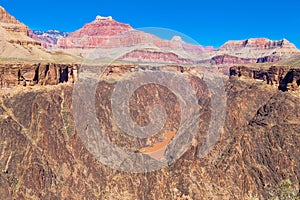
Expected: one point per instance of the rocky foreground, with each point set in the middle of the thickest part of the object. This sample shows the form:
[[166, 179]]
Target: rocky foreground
[[43, 157]]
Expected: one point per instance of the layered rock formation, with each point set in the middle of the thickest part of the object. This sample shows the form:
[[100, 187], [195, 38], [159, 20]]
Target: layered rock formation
[[97, 33], [12, 75], [258, 44], [43, 157], [14, 38], [155, 56], [258, 48], [14, 31], [11, 24], [251, 51], [107, 33], [284, 77], [233, 60]]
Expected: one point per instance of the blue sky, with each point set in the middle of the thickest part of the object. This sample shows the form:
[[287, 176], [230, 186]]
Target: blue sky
[[210, 22]]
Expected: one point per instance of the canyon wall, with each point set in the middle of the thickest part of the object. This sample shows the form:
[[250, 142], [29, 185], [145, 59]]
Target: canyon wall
[[43, 157], [284, 77], [12, 75]]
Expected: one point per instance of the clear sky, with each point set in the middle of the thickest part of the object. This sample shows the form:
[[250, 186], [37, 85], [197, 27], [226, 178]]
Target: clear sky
[[210, 22]]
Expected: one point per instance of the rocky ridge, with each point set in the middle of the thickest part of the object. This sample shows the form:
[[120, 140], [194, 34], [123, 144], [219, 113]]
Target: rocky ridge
[[10, 23], [283, 76]]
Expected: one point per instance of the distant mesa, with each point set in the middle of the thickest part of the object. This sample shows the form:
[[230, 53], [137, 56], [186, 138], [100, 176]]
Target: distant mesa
[[260, 43]]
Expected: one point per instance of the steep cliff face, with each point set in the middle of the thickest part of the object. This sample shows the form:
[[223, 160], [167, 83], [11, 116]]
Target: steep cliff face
[[42, 156], [284, 77], [12, 75]]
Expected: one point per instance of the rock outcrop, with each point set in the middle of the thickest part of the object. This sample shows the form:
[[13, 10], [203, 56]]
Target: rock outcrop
[[12, 75], [285, 77], [14, 31], [233, 60], [43, 157]]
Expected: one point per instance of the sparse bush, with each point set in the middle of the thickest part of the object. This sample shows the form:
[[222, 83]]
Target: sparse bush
[[284, 191]]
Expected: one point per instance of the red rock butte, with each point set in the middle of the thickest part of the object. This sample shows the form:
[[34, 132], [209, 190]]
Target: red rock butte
[[95, 34], [106, 32]]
